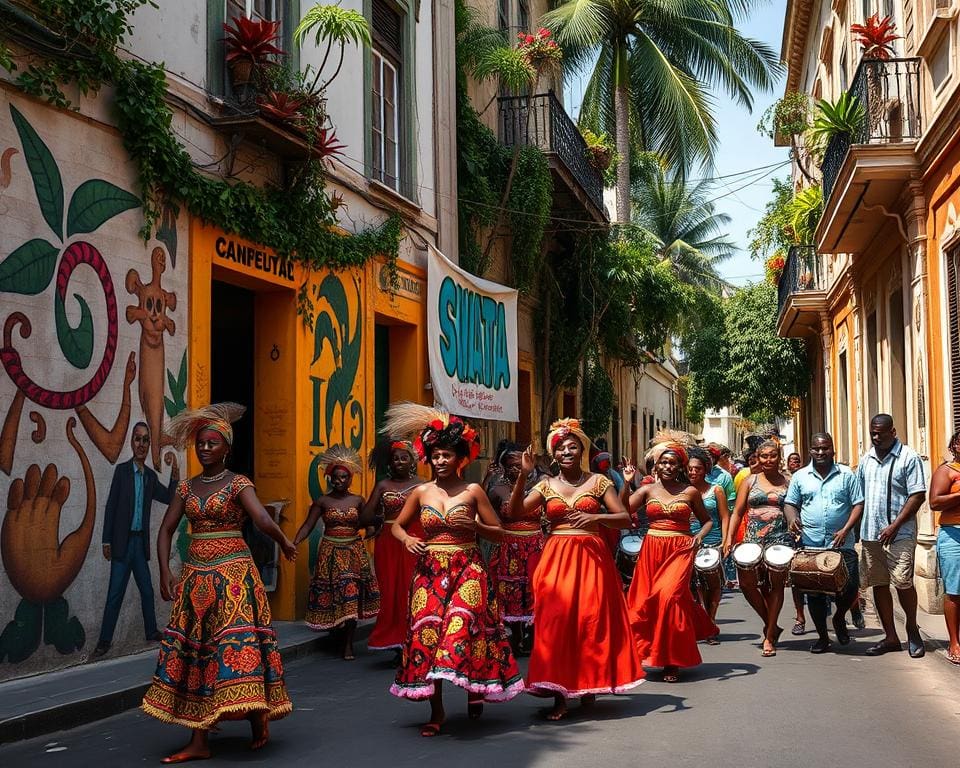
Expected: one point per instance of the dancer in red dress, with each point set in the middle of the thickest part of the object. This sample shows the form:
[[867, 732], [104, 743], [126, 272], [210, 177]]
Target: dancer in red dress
[[392, 562], [667, 621], [583, 645], [514, 560], [455, 631]]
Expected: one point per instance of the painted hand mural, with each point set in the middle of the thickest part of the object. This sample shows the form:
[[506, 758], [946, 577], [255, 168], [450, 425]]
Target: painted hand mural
[[40, 566], [151, 313]]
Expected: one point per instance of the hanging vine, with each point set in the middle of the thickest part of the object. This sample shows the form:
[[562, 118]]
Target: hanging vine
[[297, 221]]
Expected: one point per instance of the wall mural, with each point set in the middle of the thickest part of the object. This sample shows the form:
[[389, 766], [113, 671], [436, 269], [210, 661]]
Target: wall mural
[[60, 245]]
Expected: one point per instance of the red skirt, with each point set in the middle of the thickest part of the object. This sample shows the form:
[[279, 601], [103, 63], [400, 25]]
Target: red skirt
[[455, 630], [512, 565], [393, 565], [667, 621], [582, 643]]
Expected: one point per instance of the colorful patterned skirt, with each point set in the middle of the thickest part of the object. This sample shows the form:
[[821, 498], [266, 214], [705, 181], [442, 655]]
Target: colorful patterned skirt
[[667, 621], [583, 644], [394, 566], [219, 657], [512, 564], [343, 586], [455, 630]]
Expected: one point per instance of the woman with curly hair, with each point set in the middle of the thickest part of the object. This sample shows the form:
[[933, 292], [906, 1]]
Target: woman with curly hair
[[219, 658], [455, 632], [582, 645], [392, 562], [344, 588]]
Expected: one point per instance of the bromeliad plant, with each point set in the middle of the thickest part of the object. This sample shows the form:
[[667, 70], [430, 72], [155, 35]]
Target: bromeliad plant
[[250, 44], [875, 36]]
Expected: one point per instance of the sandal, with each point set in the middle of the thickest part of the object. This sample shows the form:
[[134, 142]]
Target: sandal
[[429, 730], [713, 640], [768, 652], [799, 628], [953, 658]]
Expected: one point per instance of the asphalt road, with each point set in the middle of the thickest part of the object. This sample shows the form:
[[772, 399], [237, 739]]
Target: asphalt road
[[736, 709]]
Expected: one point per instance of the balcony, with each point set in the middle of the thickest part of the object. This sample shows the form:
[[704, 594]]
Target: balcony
[[863, 174], [577, 185], [801, 293]]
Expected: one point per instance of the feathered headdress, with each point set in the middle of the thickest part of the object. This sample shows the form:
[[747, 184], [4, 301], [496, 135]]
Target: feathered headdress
[[182, 428], [378, 459], [672, 436], [339, 457], [434, 427], [564, 428]]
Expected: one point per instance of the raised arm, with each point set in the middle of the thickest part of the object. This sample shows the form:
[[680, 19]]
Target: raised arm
[[519, 499]]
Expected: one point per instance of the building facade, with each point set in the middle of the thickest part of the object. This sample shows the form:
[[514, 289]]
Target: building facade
[[135, 331], [875, 292]]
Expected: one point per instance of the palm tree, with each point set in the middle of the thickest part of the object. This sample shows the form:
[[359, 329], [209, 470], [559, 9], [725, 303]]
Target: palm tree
[[656, 61], [685, 225]]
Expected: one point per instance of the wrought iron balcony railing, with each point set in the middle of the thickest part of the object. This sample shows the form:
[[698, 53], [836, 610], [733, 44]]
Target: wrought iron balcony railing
[[802, 272], [889, 92], [547, 125]]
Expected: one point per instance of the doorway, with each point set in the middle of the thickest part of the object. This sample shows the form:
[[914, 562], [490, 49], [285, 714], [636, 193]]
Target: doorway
[[232, 325]]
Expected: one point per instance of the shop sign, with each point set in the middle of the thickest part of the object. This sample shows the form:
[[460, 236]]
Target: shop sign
[[472, 339]]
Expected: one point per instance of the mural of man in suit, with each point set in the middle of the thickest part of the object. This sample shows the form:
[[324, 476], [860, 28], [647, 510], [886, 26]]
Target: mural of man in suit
[[126, 535]]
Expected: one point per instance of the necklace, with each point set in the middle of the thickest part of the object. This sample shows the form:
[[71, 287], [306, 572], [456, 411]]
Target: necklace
[[577, 484], [213, 478]]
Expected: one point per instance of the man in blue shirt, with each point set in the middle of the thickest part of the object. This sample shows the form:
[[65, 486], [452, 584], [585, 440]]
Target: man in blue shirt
[[126, 536], [823, 504]]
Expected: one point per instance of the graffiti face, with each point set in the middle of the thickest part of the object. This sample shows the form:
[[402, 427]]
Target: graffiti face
[[140, 443]]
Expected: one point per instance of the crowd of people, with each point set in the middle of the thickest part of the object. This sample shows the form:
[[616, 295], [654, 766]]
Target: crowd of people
[[539, 559]]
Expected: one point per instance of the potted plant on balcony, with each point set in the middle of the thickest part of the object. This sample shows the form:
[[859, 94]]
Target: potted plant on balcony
[[599, 149], [875, 36], [773, 267], [541, 51], [804, 213], [844, 117], [250, 43]]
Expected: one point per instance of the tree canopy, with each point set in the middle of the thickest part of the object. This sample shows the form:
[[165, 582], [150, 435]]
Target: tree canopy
[[740, 362]]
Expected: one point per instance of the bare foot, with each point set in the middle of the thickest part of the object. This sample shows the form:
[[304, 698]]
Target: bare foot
[[559, 710], [260, 729], [187, 754]]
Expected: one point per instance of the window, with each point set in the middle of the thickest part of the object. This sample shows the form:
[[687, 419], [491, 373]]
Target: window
[[898, 357], [843, 411], [386, 109], [872, 373], [287, 12], [523, 15], [503, 15]]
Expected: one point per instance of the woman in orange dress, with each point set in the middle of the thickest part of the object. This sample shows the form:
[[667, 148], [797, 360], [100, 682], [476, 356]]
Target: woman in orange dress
[[219, 658], [667, 621], [583, 645], [455, 631], [392, 563]]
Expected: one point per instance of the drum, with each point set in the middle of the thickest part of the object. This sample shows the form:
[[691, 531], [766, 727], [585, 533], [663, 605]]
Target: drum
[[747, 555], [709, 566], [778, 557], [628, 550], [819, 570]]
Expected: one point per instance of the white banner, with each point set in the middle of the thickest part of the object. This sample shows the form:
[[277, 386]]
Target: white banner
[[472, 341]]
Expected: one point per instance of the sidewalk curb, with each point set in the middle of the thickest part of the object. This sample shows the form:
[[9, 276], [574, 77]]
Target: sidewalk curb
[[72, 714]]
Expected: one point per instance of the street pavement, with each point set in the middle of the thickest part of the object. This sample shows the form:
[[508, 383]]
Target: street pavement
[[736, 709]]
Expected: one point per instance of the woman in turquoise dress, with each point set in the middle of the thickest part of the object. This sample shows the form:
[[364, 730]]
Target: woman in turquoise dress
[[715, 502]]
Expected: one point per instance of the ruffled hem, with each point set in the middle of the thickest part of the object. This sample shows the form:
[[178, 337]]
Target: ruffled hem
[[554, 688], [492, 692], [340, 620], [273, 713]]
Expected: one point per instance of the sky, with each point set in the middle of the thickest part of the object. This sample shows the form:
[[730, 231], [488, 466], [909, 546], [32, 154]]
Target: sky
[[740, 195]]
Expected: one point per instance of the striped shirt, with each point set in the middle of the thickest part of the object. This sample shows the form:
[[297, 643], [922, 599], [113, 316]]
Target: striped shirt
[[886, 487]]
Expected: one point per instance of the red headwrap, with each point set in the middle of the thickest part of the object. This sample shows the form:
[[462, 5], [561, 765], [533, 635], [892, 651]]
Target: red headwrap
[[679, 450]]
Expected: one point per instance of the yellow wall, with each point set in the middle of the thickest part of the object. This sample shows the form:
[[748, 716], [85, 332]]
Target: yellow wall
[[314, 383]]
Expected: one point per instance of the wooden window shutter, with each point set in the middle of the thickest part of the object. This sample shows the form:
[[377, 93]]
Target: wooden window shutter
[[388, 28], [953, 310]]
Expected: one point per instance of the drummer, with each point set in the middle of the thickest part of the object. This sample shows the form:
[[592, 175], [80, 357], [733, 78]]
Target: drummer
[[823, 504]]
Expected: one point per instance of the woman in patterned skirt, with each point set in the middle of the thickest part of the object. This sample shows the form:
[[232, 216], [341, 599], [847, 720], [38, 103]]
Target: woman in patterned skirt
[[455, 633], [391, 561], [343, 588], [583, 644], [219, 658], [513, 560]]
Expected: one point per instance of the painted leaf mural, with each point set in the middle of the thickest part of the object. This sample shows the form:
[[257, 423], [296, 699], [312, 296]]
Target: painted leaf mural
[[29, 269], [43, 169], [95, 202]]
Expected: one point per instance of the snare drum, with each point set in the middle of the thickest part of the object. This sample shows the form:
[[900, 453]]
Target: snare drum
[[778, 557], [747, 556], [709, 566], [628, 550]]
